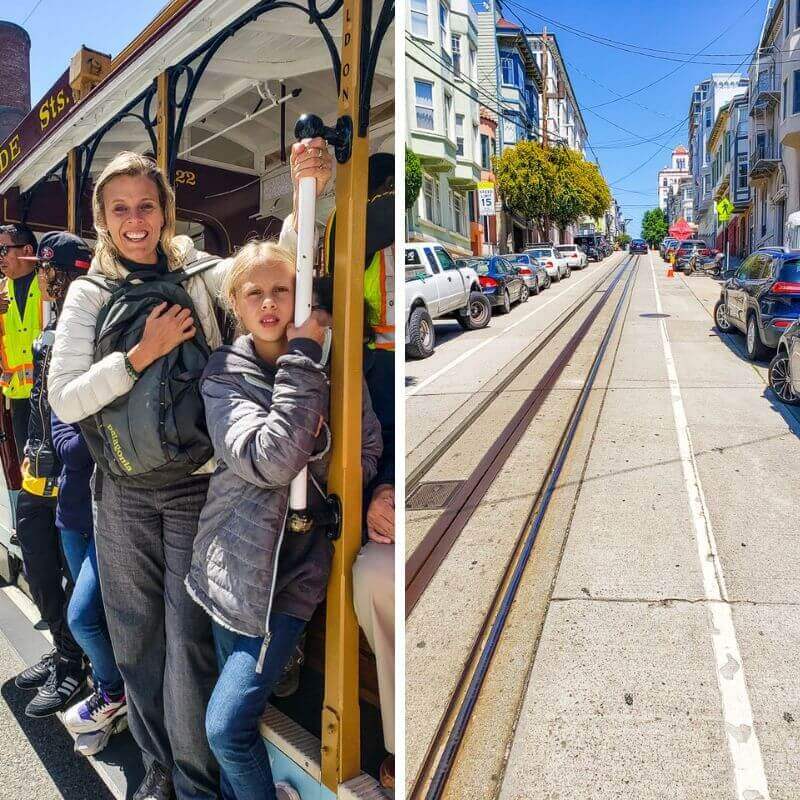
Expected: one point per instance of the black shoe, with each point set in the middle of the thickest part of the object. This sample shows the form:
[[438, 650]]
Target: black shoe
[[35, 676], [14, 539], [66, 681], [157, 785], [289, 681]]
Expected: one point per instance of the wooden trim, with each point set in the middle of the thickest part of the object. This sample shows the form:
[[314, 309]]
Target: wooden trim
[[163, 123], [73, 199]]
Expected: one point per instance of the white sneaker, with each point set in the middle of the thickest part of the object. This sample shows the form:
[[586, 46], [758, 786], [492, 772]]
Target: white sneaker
[[94, 713], [90, 744], [286, 791]]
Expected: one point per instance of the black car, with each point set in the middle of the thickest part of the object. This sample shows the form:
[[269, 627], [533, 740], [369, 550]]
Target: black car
[[500, 281], [638, 246], [590, 244], [762, 299]]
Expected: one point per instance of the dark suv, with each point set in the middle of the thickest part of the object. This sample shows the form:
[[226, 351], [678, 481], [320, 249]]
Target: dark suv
[[762, 299], [638, 246]]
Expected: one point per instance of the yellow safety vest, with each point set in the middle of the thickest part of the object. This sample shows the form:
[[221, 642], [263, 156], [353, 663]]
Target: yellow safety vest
[[379, 296], [17, 336], [41, 487]]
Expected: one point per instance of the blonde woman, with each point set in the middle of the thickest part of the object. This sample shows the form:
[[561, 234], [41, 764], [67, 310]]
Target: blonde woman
[[144, 537]]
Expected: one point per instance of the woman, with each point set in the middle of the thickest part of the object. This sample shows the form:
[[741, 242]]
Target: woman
[[144, 537]]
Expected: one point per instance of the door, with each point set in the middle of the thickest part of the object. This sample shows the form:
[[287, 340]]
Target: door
[[757, 278], [512, 280], [433, 288], [452, 292], [735, 291]]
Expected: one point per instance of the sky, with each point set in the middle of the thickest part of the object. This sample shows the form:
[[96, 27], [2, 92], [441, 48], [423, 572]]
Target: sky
[[600, 73]]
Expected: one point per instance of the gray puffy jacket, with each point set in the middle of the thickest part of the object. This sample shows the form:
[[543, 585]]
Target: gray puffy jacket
[[263, 422]]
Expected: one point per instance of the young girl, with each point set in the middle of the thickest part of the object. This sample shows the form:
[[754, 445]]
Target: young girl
[[266, 400]]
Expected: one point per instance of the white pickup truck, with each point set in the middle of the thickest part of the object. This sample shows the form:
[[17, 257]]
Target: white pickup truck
[[436, 287]]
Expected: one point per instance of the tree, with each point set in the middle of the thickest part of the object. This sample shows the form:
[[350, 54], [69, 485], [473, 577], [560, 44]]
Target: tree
[[654, 226], [622, 240], [413, 177], [550, 185]]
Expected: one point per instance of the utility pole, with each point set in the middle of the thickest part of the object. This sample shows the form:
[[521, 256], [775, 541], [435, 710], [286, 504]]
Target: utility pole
[[545, 60]]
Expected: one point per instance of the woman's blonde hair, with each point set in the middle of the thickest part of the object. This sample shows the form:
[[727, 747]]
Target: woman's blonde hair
[[133, 165], [253, 254]]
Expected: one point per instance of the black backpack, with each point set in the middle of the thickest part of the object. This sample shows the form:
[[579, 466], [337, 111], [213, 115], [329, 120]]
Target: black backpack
[[156, 434]]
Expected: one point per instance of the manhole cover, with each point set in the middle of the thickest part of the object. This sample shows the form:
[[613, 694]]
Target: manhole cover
[[433, 494]]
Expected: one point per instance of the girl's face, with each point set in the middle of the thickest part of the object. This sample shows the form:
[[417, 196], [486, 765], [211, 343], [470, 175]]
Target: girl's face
[[264, 301], [134, 217]]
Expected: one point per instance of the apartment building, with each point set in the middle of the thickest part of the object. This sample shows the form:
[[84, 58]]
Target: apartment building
[[669, 177], [443, 123]]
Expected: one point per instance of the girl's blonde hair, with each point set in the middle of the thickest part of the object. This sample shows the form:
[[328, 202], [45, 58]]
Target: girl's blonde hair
[[253, 254], [133, 165]]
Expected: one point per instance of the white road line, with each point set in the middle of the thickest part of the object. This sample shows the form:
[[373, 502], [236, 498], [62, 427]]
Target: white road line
[[436, 375], [748, 767]]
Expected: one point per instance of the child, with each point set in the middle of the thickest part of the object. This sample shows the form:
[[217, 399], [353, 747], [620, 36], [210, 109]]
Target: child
[[266, 399]]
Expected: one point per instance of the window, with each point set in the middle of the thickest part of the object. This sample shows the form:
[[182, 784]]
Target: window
[[443, 25], [507, 64], [458, 214], [448, 115], [796, 15], [419, 18], [473, 61], [476, 142], [763, 213], [785, 97], [681, 163], [423, 92], [741, 172], [796, 92], [708, 118], [486, 162], [432, 261], [459, 134], [455, 43], [427, 194], [445, 260], [788, 16], [437, 204], [665, 182]]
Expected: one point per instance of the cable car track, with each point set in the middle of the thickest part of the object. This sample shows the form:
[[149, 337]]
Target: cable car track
[[442, 753], [423, 563]]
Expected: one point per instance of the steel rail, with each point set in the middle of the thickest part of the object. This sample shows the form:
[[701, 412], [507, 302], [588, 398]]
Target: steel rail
[[455, 737], [423, 563], [414, 478]]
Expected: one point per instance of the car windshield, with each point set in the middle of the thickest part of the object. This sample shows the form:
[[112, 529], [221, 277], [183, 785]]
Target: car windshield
[[790, 271], [480, 265], [569, 248], [544, 253], [691, 243], [516, 259]]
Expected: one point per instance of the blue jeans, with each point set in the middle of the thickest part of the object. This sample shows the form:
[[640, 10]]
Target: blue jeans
[[85, 615], [238, 702]]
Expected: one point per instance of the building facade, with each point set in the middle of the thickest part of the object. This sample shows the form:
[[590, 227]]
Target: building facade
[[443, 123], [669, 177]]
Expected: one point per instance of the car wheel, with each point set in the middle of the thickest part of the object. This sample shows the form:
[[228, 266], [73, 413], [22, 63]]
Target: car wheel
[[753, 344], [547, 281], [557, 277], [780, 379], [524, 293], [479, 312], [721, 319], [505, 308], [536, 288], [421, 335]]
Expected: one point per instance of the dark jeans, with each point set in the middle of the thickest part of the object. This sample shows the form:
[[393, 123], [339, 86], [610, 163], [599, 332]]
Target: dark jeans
[[238, 702], [85, 614], [20, 414], [161, 637], [45, 567]]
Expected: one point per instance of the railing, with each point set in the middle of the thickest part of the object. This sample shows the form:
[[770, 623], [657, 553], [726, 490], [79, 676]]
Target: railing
[[763, 158]]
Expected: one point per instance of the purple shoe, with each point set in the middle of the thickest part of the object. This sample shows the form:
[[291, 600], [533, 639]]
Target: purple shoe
[[97, 711]]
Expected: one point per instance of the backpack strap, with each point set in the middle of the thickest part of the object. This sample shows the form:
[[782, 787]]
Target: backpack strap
[[195, 268], [98, 280]]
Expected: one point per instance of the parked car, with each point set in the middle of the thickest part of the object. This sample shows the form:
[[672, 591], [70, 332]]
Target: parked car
[[437, 287], [532, 272], [762, 299], [784, 369], [556, 266], [684, 250], [500, 282], [638, 246], [669, 241], [576, 258], [590, 244]]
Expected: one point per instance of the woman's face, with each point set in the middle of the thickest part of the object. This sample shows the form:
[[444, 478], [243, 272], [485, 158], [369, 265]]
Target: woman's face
[[134, 217]]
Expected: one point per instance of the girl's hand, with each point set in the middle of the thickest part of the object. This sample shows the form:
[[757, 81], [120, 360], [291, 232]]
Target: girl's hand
[[164, 330], [380, 515], [310, 158], [312, 328]]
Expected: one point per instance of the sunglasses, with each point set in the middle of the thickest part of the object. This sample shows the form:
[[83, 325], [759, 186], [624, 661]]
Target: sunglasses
[[4, 248]]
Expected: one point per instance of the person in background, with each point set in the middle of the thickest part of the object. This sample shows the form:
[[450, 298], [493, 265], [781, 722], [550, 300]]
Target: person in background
[[21, 321], [60, 675], [266, 400]]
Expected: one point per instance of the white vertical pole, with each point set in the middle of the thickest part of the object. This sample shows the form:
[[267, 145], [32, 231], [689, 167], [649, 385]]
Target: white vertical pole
[[304, 278]]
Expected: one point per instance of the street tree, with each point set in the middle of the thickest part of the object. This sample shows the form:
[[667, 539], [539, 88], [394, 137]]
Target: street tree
[[654, 226]]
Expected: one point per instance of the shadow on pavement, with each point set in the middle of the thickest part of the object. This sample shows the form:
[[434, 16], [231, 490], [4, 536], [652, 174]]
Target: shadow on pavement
[[71, 773]]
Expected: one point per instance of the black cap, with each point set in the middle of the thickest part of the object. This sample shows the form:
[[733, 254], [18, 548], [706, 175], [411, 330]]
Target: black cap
[[64, 251]]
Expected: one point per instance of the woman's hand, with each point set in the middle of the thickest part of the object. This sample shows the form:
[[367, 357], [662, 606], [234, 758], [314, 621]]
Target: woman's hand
[[313, 328], [380, 515], [164, 330], [310, 158]]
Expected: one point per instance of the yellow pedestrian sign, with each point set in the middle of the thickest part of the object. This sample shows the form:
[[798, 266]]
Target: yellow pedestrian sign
[[724, 209]]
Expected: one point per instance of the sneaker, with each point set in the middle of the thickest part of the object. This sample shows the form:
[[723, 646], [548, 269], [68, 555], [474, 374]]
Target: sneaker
[[90, 744], [284, 791], [95, 712], [157, 785], [65, 681], [37, 675], [289, 681]]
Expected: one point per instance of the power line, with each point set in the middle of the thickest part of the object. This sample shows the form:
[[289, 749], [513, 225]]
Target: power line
[[30, 13]]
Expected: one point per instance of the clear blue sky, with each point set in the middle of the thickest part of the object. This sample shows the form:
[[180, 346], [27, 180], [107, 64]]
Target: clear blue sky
[[58, 29], [686, 26]]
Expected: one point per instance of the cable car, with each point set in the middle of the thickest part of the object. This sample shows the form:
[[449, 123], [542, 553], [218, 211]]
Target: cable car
[[212, 90]]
